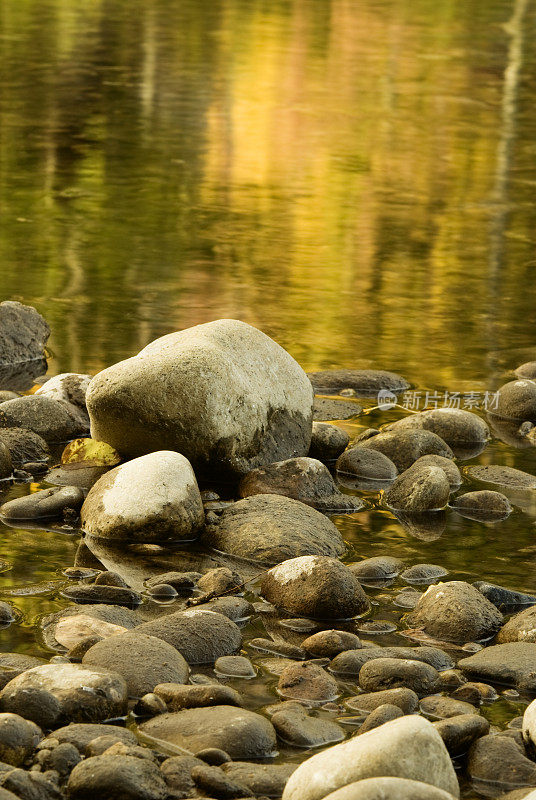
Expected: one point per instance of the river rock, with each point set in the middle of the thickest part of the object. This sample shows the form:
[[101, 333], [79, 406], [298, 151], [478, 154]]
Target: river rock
[[511, 664], [296, 727], [423, 573], [23, 333], [109, 595], [200, 636], [403, 447], [143, 661], [459, 732], [328, 644], [307, 682], [365, 462], [419, 488], [474, 692], [71, 387], [12, 664], [177, 697], [502, 597], [152, 498], [234, 667], [408, 747], [314, 586], [261, 779], [349, 662], [117, 776], [403, 698], [439, 707], [392, 673], [484, 506], [519, 628], [455, 612], [18, 739], [389, 789], [81, 734], [501, 761], [527, 370], [447, 465], [241, 733], [329, 408], [327, 441], [504, 476], [455, 426], [223, 394], [268, 529], [364, 382], [516, 400], [55, 693], [529, 726], [45, 504], [53, 420], [380, 715], [303, 479], [24, 445], [378, 568]]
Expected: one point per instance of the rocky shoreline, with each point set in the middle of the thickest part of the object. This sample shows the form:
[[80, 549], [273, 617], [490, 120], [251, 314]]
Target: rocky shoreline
[[217, 638]]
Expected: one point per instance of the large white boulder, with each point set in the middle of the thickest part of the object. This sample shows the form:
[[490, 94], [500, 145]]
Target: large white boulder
[[408, 747], [152, 498], [223, 394]]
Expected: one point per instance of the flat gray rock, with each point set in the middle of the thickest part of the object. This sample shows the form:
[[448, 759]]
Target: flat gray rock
[[389, 789], [511, 664], [364, 382], [503, 476], [326, 408]]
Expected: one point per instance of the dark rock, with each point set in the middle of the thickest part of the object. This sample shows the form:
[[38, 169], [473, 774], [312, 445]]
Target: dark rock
[[502, 761], [30, 785], [364, 382], [52, 420], [268, 529], [108, 578], [502, 597], [213, 756], [54, 693], [150, 705], [76, 653], [6, 465], [504, 476], [326, 408], [404, 447], [327, 441], [70, 387], [23, 333], [63, 759], [182, 582], [315, 586], [241, 733], [328, 644], [459, 732], [201, 636], [484, 506], [82, 734], [516, 400], [475, 693], [305, 479], [178, 697], [24, 445], [379, 716], [296, 727], [278, 648], [177, 772], [99, 593], [18, 739], [511, 664], [404, 699], [7, 614], [261, 779], [419, 488], [393, 673], [365, 462], [307, 682], [213, 782], [378, 568], [113, 777], [456, 612], [143, 661], [46, 504]]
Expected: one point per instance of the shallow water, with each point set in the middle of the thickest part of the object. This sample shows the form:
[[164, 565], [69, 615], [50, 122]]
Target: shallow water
[[356, 179]]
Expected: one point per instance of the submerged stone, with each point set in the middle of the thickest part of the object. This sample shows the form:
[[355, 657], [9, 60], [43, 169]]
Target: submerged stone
[[364, 382], [45, 504], [403, 447], [419, 488], [327, 441]]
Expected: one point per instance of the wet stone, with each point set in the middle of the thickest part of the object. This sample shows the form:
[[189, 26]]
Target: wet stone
[[379, 716], [81, 734], [45, 504], [150, 705], [315, 586], [177, 696], [283, 649], [504, 476], [327, 441], [122, 776], [298, 728], [13, 664], [403, 698], [387, 673], [364, 382], [502, 761], [438, 707], [419, 488], [212, 781], [108, 578], [519, 628], [475, 693], [404, 447], [511, 664], [484, 506], [24, 446], [326, 409], [502, 597], [366, 463], [454, 425], [100, 593], [241, 733], [377, 568], [18, 739], [219, 580], [7, 613], [459, 732], [330, 643], [517, 401], [447, 465], [234, 667], [261, 779], [423, 573], [213, 756], [307, 682], [53, 420], [376, 627], [182, 582], [177, 772], [71, 631]]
